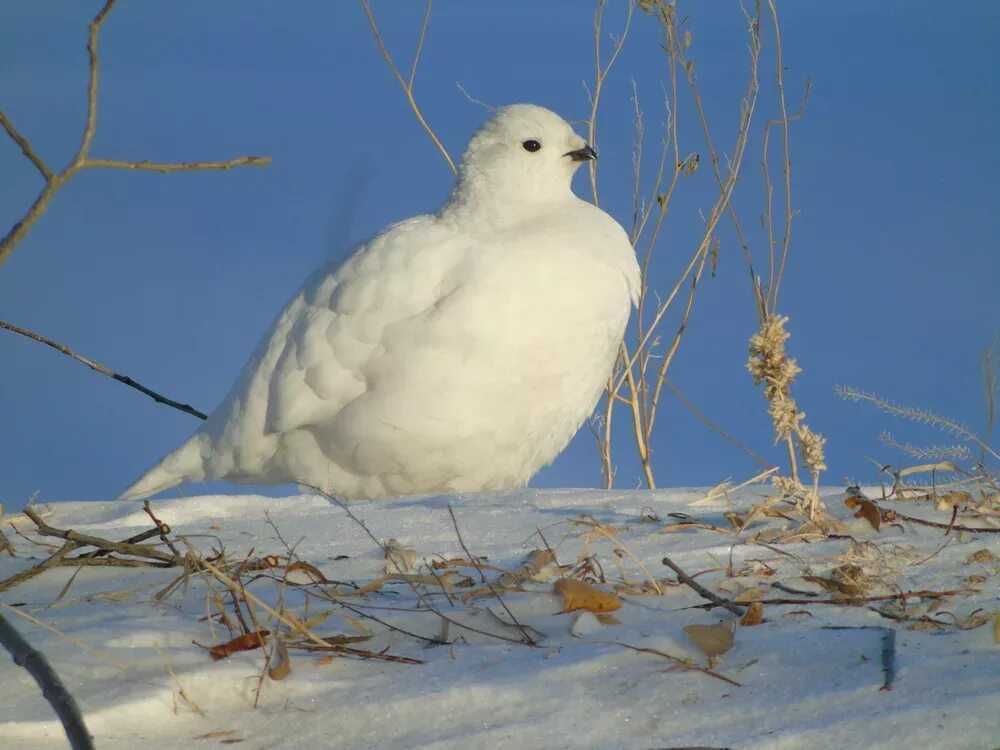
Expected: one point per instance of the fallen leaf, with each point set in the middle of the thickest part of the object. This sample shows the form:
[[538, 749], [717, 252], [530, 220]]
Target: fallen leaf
[[579, 595], [246, 642], [306, 573], [753, 616], [606, 618], [981, 556], [711, 640], [214, 735], [281, 663], [324, 660], [865, 509]]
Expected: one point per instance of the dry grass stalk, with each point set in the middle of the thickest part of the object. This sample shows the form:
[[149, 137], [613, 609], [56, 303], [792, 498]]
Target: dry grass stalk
[[770, 366], [636, 382]]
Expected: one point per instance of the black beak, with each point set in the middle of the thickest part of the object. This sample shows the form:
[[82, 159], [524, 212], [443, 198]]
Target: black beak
[[582, 154]]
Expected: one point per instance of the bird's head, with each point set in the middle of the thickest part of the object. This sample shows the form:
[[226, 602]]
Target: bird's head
[[522, 153]]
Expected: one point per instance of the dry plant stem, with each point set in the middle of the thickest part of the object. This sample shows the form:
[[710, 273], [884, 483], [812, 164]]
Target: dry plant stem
[[407, 83], [601, 71], [644, 417], [98, 367], [676, 659], [138, 550], [703, 592], [82, 160], [714, 427], [51, 562], [119, 665], [718, 207], [524, 633], [52, 687], [413, 587]]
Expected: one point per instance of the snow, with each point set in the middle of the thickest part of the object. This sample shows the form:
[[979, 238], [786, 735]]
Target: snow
[[801, 685]]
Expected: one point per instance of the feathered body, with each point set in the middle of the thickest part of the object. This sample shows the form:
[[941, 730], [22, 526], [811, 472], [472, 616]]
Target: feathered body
[[458, 351]]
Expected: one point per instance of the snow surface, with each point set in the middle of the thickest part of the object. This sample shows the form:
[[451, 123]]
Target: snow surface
[[801, 686]]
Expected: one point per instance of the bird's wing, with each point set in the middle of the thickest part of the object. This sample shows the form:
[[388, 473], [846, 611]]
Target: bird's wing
[[328, 333]]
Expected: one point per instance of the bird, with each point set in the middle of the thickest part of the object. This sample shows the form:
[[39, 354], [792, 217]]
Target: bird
[[458, 351]]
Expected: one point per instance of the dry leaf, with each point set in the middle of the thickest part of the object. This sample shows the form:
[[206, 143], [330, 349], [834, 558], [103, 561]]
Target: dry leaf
[[281, 663], [246, 642], [711, 640], [981, 556], [324, 660], [214, 735], [753, 616], [606, 618], [865, 509], [579, 595], [306, 573], [940, 466]]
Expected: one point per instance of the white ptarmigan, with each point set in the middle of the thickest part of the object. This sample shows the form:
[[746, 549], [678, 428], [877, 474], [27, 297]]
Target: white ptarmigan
[[458, 351]]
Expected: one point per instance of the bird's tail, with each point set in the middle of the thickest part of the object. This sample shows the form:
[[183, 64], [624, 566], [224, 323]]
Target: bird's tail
[[186, 464]]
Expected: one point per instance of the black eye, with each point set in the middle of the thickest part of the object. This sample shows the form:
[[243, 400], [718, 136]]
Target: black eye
[[531, 145]]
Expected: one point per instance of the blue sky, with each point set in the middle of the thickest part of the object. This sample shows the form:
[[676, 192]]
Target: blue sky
[[171, 279]]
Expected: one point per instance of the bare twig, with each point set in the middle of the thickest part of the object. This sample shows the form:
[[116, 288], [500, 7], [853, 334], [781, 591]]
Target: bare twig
[[454, 521], [82, 159], [703, 592], [601, 71], [686, 664], [52, 687], [407, 83], [98, 367]]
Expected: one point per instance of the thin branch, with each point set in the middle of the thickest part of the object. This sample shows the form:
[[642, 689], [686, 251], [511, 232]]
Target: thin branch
[[703, 592], [52, 687], [714, 427], [82, 159], [184, 166], [454, 521], [407, 86], [26, 148], [601, 71], [98, 367]]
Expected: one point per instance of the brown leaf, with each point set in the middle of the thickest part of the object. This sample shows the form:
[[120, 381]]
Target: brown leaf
[[324, 660], [981, 556], [309, 572], [753, 616], [579, 595], [281, 663], [246, 642], [214, 735], [711, 640], [865, 509], [606, 618]]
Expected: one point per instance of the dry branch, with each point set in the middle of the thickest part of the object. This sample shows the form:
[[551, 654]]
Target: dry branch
[[407, 84], [98, 367], [137, 555], [703, 592], [82, 159], [52, 687]]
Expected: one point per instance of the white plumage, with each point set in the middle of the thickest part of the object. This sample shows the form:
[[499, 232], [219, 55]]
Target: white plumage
[[458, 351]]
